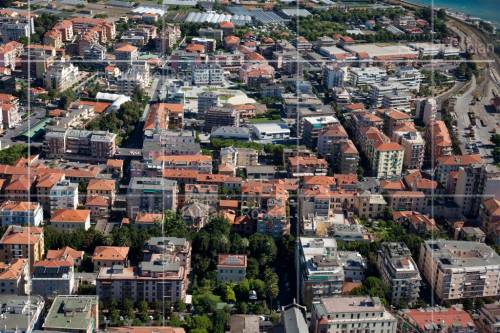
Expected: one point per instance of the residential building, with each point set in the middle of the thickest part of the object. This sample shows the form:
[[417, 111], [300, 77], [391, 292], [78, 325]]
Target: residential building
[[43, 187], [22, 242], [204, 193], [207, 75], [239, 157], [414, 149], [21, 313], [438, 140], [21, 213], [162, 276], [137, 76], [399, 272], [306, 166], [452, 320], [103, 188], [125, 55], [406, 201], [489, 318], [352, 313], [151, 194], [313, 126], [50, 278], [70, 219], [460, 269], [73, 314], [163, 117], [221, 116], [489, 214], [270, 132], [387, 161], [14, 277], [333, 76], [206, 101], [363, 76], [231, 267], [324, 268], [66, 253], [108, 256], [79, 144], [61, 76], [63, 195]]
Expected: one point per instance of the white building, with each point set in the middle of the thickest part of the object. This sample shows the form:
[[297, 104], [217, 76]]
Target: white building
[[334, 76], [208, 75], [362, 76], [63, 195], [61, 76], [21, 213], [270, 131]]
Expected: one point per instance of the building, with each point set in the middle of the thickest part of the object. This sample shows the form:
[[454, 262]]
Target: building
[[333, 76], [70, 219], [323, 268], [207, 75], [399, 272], [313, 126], [21, 313], [145, 329], [137, 76], [108, 256], [102, 188], [489, 318], [77, 144], [14, 277], [414, 148], [66, 253], [273, 132], [73, 314], [231, 267], [162, 117], [162, 276], [221, 116], [22, 242], [387, 161], [43, 187], [460, 269], [206, 101], [352, 313], [61, 76], [438, 140], [363, 76], [63, 195], [306, 166], [20, 213], [239, 157], [452, 320], [126, 54], [406, 200], [151, 195], [50, 278], [489, 214]]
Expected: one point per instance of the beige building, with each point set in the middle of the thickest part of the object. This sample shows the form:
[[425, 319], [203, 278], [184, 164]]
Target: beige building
[[351, 314], [71, 219], [108, 256], [387, 161], [231, 267], [61, 76], [460, 269], [22, 242]]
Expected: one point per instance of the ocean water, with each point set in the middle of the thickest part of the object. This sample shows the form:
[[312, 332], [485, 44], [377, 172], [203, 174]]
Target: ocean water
[[485, 9]]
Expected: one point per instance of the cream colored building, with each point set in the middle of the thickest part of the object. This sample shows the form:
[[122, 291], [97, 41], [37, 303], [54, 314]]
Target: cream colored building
[[387, 161]]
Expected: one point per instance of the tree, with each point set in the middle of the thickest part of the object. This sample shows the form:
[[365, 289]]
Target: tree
[[272, 288], [180, 306], [128, 308], [13, 153], [143, 311], [230, 296], [202, 322], [66, 98]]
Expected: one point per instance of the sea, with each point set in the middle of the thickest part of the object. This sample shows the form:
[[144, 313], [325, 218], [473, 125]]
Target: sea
[[485, 9]]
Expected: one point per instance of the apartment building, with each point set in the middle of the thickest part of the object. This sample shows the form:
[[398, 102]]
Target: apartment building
[[43, 187], [63, 195], [125, 55], [438, 140], [451, 320], [306, 166], [231, 267], [399, 272], [14, 277], [489, 214], [162, 117], [204, 193], [387, 161], [239, 157], [61, 76], [79, 144], [369, 205], [197, 162], [163, 275], [108, 256], [134, 77], [414, 148], [73, 314], [489, 318], [338, 314], [50, 278], [207, 75], [313, 126], [22, 313], [151, 194], [363, 76], [333, 76], [406, 200], [103, 188], [22, 242], [221, 116], [21, 213], [324, 268], [460, 269], [69, 220]]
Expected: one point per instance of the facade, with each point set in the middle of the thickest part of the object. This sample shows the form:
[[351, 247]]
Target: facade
[[231, 267], [108, 256], [337, 314], [163, 275], [489, 318], [22, 242], [399, 272], [63, 195], [21, 313], [61, 76], [151, 194], [50, 278], [221, 116], [21, 213], [451, 320], [460, 269], [207, 75], [14, 277], [387, 160], [79, 144]]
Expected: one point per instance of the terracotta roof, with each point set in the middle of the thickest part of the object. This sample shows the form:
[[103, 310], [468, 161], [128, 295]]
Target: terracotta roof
[[319, 180], [195, 48], [397, 115], [19, 206], [232, 260], [99, 107], [13, 270], [65, 252], [22, 235], [459, 160], [226, 24], [228, 204], [101, 184], [115, 164], [70, 216], [445, 317], [148, 218], [145, 329], [231, 40], [388, 146], [110, 253], [20, 183], [306, 160], [55, 263], [126, 48], [97, 200], [48, 180], [492, 206]]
